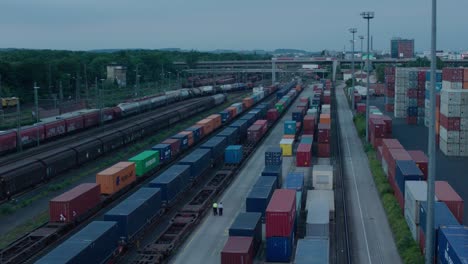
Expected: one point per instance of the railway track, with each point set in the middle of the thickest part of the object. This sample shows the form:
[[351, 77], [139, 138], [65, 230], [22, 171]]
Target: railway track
[[342, 241]]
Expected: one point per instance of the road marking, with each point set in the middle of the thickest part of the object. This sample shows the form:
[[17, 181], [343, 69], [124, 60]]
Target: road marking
[[357, 193]]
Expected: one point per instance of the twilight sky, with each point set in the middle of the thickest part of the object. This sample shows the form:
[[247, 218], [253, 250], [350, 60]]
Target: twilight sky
[[218, 24]]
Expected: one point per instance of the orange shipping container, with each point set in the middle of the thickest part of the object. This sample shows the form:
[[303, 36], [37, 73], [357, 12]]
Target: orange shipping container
[[189, 136], [216, 120], [247, 102], [298, 88], [465, 75], [207, 125], [289, 136], [117, 177], [465, 85], [325, 118], [233, 109]]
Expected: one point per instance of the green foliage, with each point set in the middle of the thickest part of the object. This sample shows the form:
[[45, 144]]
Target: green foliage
[[380, 71], [425, 62], [407, 247], [360, 122]]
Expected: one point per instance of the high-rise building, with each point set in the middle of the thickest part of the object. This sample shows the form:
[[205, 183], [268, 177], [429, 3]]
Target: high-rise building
[[402, 48]]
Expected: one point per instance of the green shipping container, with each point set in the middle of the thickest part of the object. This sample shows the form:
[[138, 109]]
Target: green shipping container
[[145, 161], [279, 107]]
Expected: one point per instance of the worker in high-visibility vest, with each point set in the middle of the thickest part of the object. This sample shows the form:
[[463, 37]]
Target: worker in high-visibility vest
[[215, 208]]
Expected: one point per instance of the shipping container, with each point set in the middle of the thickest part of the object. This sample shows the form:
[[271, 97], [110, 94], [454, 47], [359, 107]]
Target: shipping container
[[452, 244], [304, 155], [312, 251], [164, 151], [175, 145], [446, 194], [324, 196], [309, 124], [295, 181], [71, 205], [249, 117], [279, 249], [117, 177], [238, 249], [242, 125], [207, 126], [255, 133], [199, 161], [267, 181], [318, 219], [324, 133], [172, 182], [272, 115], [421, 160], [216, 120], [248, 225], [273, 156], [258, 198], [287, 147], [276, 171], [290, 127], [196, 132], [281, 213], [190, 137], [322, 177], [95, 243], [233, 154], [325, 119], [406, 170], [231, 134], [217, 146], [184, 141], [135, 212], [145, 161]]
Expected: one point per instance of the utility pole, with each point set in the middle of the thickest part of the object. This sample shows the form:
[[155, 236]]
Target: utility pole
[[362, 52], [137, 81], [101, 104], [36, 102], [353, 31], [19, 141], [368, 16], [86, 82], [49, 79], [273, 70], [60, 91], [431, 144], [77, 87]]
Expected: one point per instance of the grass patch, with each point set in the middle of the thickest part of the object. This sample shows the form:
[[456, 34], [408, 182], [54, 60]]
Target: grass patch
[[15, 233], [407, 247], [119, 155]]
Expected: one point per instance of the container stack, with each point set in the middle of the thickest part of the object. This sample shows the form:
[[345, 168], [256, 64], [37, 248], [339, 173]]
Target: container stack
[[421, 96], [452, 244], [409, 88], [280, 225], [389, 89], [274, 164], [248, 225], [312, 250], [453, 127], [427, 114], [401, 87], [295, 181]]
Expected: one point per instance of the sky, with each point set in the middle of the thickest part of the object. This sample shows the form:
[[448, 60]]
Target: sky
[[311, 25]]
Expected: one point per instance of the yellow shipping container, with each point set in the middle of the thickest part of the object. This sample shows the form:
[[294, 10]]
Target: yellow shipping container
[[287, 146]]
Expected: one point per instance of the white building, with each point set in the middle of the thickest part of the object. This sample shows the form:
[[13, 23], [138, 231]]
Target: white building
[[117, 73]]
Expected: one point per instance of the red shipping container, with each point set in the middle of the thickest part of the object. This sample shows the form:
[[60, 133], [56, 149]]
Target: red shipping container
[[74, 123], [281, 213], [445, 193], [91, 119], [255, 133], [272, 115], [387, 144], [175, 145], [55, 129], [323, 133], [261, 122], [361, 108], [70, 205], [7, 140], [304, 100], [450, 123], [247, 102], [379, 153], [304, 155], [309, 124], [389, 107], [421, 161], [238, 250], [323, 150]]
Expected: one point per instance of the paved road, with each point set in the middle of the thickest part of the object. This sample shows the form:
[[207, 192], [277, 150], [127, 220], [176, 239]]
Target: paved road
[[206, 243], [370, 234]]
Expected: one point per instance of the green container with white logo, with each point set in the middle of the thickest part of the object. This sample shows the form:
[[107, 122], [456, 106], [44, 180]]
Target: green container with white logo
[[145, 161]]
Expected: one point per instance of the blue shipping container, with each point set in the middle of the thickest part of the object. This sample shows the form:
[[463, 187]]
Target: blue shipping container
[[406, 170], [249, 117], [134, 212], [217, 145], [199, 160], [258, 198], [196, 131], [295, 181], [312, 251], [164, 151], [266, 181], [273, 156], [183, 140], [242, 125], [297, 116], [442, 217], [233, 154], [231, 134], [289, 127], [452, 246], [172, 182], [225, 116], [307, 140], [279, 249], [276, 171], [248, 225], [93, 244], [256, 112]]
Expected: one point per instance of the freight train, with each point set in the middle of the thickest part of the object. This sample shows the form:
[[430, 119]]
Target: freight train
[[162, 192], [53, 128], [21, 175], [198, 81]]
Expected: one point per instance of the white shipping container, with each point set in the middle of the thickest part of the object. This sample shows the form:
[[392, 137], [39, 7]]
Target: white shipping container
[[450, 96], [457, 85], [415, 193], [385, 166], [318, 221], [323, 161], [324, 196], [322, 177], [449, 149], [449, 110], [464, 150], [449, 136], [413, 227], [257, 89]]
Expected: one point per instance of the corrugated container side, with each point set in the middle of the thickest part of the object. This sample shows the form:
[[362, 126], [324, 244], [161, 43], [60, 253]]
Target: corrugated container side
[[199, 161], [281, 213], [452, 244], [238, 250], [115, 178], [445, 193], [279, 249], [248, 225], [312, 251]]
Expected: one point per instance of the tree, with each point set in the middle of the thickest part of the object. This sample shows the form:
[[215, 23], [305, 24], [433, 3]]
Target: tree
[[380, 72]]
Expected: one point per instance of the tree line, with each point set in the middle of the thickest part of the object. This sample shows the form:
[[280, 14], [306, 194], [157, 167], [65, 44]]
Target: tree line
[[20, 69]]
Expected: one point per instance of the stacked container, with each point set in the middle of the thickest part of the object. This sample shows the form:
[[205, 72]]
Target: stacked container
[[322, 177], [421, 160], [318, 220], [452, 244], [406, 170], [415, 194], [295, 181], [325, 197], [309, 124], [427, 113], [280, 225], [446, 194], [409, 94], [238, 249], [454, 121], [260, 195], [324, 134], [248, 225], [286, 145], [304, 155]]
